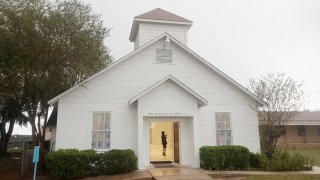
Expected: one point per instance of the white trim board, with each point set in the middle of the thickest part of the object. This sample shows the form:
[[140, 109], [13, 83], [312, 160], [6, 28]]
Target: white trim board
[[201, 100]]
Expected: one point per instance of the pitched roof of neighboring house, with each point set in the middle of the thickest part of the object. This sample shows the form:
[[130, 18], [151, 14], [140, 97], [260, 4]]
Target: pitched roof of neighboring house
[[307, 115], [185, 48], [306, 118], [160, 14], [52, 121], [201, 100]]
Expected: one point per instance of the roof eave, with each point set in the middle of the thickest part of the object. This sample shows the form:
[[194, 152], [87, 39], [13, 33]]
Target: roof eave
[[262, 103], [163, 21], [133, 33], [201, 101], [55, 99]]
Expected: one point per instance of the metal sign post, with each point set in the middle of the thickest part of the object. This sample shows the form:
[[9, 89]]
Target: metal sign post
[[35, 160], [24, 158]]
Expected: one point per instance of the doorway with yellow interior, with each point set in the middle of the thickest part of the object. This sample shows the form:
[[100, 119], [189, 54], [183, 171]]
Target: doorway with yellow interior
[[161, 132]]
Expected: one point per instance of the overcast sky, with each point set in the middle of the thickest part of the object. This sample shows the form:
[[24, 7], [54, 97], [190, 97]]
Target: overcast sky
[[243, 38]]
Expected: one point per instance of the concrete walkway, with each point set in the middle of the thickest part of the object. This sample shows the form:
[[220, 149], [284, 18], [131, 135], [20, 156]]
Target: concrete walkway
[[179, 173], [187, 173], [135, 175]]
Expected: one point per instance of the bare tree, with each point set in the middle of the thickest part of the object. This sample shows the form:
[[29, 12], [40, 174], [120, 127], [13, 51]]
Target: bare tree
[[284, 97]]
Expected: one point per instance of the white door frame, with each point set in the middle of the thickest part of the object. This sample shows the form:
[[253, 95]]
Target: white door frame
[[159, 121], [147, 120]]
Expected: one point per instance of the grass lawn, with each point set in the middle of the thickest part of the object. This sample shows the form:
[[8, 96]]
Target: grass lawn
[[312, 153], [284, 177]]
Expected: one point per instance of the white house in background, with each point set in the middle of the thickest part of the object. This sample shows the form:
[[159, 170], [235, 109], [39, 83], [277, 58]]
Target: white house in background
[[161, 86]]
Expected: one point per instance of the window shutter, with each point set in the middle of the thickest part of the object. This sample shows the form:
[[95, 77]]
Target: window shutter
[[163, 55]]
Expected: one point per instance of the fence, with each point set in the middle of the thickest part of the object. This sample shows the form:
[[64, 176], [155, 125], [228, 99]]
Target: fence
[[30, 145]]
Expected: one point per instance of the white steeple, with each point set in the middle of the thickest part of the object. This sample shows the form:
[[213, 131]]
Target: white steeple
[[151, 24]]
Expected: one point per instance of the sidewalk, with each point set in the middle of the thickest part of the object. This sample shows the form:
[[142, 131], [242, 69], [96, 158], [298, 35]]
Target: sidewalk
[[179, 173], [187, 173], [135, 175]]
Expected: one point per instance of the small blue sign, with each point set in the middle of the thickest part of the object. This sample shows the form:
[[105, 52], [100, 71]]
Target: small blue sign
[[36, 154]]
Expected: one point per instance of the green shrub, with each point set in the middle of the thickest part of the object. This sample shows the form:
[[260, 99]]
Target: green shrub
[[116, 161], [254, 161], [224, 157], [239, 158], [72, 163], [68, 164], [258, 161], [285, 161]]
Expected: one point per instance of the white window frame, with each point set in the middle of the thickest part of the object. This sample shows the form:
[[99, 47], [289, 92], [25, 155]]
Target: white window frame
[[223, 129], [110, 129]]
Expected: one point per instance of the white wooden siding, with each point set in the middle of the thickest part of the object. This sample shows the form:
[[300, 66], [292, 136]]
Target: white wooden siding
[[53, 138], [149, 31], [161, 100], [137, 41], [112, 90]]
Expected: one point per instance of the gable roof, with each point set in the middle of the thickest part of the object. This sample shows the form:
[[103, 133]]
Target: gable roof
[[201, 100], [160, 14], [184, 47]]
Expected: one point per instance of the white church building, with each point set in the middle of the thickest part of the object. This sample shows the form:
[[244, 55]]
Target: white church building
[[160, 86]]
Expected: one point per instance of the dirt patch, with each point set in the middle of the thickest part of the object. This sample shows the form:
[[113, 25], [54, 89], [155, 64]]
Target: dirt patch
[[10, 167]]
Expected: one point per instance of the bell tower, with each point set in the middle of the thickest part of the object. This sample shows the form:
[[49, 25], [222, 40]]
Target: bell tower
[[149, 25]]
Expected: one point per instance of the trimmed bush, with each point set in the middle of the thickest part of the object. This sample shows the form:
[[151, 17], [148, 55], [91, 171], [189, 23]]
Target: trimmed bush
[[116, 161], [72, 163], [224, 157], [69, 163], [239, 158], [257, 161]]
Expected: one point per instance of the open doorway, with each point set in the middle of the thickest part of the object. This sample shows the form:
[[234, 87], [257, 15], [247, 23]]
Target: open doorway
[[172, 134]]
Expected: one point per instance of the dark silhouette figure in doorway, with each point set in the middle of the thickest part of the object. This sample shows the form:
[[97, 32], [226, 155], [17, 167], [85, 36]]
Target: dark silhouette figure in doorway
[[164, 143]]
